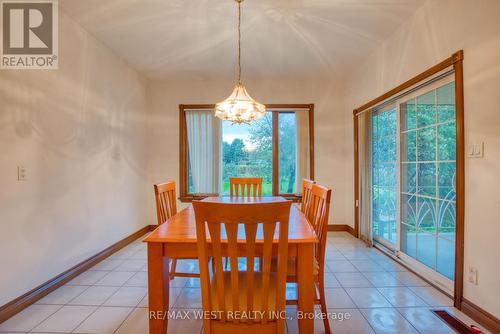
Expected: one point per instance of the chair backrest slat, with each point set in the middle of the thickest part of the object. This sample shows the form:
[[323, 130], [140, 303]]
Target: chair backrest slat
[[318, 217], [166, 203], [232, 239], [269, 230], [215, 236], [245, 186], [251, 234], [305, 205], [256, 239]]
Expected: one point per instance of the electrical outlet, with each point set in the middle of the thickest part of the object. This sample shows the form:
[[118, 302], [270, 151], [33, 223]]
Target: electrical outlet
[[472, 276], [21, 173]]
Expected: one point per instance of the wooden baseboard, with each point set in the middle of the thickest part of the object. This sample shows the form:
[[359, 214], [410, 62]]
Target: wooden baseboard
[[342, 228], [17, 305], [484, 318]]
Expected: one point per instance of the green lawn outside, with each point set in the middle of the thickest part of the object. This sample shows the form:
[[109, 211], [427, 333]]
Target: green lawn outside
[[267, 188]]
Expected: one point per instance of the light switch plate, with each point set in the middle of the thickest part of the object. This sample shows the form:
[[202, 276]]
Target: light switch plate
[[475, 150]]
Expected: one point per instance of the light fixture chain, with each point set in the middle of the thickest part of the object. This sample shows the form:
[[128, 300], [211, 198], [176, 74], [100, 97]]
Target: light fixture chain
[[239, 107], [239, 42]]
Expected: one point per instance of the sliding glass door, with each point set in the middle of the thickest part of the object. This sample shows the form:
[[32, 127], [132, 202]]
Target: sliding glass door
[[413, 179], [428, 151], [384, 176]]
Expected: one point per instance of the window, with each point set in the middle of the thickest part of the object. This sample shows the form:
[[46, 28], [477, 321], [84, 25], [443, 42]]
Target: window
[[247, 151], [384, 176], [277, 147]]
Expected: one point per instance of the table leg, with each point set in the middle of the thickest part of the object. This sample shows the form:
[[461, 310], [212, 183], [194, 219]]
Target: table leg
[[158, 288], [305, 287]]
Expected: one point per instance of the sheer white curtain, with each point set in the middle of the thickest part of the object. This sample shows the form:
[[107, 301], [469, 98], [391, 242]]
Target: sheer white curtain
[[204, 134], [302, 149], [365, 173]]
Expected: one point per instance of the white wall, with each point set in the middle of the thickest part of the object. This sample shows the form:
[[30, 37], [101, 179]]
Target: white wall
[[438, 29], [331, 144], [79, 131]]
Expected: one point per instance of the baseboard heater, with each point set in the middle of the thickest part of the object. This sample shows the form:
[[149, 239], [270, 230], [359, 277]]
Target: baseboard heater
[[455, 323]]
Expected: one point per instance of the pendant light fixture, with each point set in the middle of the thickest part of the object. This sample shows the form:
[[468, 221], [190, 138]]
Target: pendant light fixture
[[239, 107]]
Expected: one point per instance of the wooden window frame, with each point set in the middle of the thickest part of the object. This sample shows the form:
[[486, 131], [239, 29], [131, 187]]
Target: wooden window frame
[[185, 196], [455, 61]]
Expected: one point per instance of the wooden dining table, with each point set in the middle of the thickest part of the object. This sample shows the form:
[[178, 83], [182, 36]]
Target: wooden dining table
[[176, 238]]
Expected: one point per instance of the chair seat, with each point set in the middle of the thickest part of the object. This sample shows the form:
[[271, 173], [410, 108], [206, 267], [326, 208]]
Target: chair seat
[[257, 292], [292, 266]]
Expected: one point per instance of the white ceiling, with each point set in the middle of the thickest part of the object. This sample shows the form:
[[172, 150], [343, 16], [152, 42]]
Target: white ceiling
[[280, 38]]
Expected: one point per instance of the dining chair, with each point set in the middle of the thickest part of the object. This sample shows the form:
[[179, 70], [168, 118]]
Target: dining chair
[[305, 204], [166, 203], [318, 218], [166, 207], [235, 230], [243, 186]]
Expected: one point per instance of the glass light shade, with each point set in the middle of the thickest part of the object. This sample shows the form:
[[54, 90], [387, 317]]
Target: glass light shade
[[239, 107]]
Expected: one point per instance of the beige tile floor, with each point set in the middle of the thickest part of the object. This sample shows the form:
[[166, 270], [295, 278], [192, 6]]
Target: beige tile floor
[[378, 295]]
